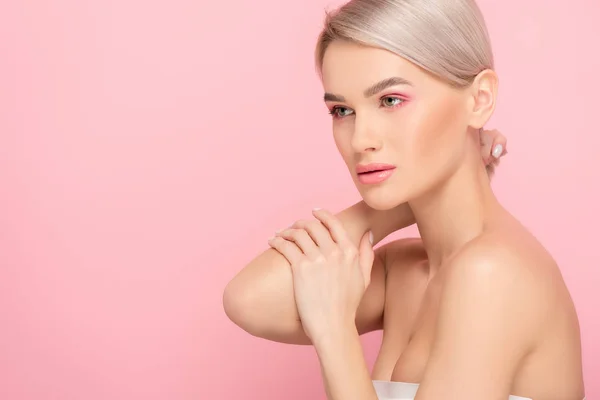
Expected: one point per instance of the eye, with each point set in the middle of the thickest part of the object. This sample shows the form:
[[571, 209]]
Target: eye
[[391, 102], [340, 112]]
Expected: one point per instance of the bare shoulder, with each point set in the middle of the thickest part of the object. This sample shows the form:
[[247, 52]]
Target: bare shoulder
[[509, 263], [508, 252], [503, 290]]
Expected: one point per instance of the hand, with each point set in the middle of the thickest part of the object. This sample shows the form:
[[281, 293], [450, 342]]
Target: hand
[[330, 274], [493, 147]]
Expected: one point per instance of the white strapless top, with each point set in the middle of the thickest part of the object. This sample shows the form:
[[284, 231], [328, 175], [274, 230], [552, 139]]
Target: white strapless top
[[387, 390]]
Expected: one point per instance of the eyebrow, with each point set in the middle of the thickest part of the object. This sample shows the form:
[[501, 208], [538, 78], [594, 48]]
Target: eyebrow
[[372, 90]]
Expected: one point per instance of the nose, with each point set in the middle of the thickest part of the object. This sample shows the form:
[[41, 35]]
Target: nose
[[365, 136]]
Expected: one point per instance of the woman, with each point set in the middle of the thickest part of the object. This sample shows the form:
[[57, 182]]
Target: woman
[[474, 309]]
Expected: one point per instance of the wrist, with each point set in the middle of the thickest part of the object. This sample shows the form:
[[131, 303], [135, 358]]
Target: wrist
[[335, 337], [357, 220]]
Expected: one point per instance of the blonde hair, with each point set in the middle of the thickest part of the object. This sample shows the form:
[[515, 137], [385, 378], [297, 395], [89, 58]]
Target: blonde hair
[[447, 38]]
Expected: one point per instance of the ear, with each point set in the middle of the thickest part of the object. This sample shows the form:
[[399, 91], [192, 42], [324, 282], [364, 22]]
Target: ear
[[483, 92]]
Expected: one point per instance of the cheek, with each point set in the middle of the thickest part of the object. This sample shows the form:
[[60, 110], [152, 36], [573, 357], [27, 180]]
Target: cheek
[[342, 139], [439, 131], [436, 144]]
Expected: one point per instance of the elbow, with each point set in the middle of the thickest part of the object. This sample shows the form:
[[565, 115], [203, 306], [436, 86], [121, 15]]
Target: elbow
[[247, 308], [238, 306], [243, 307], [232, 304]]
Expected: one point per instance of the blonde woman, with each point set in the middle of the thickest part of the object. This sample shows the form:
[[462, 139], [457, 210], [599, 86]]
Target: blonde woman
[[474, 309]]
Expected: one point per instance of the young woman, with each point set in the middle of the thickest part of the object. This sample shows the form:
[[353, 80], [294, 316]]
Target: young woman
[[474, 309]]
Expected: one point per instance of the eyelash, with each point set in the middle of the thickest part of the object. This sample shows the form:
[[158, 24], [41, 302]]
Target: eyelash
[[334, 110]]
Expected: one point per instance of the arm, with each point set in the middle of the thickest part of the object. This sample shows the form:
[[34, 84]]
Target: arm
[[343, 367], [260, 298]]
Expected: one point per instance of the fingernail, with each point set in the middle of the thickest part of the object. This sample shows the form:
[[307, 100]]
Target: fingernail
[[316, 209], [271, 238], [497, 151], [371, 239]]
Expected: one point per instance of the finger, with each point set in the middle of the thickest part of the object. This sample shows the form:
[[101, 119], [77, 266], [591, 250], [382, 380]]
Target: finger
[[497, 151], [302, 240], [318, 232], [493, 145], [333, 225], [288, 249], [499, 146]]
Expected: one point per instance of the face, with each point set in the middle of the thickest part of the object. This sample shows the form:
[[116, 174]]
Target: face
[[400, 130]]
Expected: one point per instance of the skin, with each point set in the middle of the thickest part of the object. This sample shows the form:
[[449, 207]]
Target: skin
[[475, 308]]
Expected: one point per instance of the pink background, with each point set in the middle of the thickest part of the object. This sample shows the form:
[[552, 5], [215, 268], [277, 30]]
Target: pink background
[[148, 149]]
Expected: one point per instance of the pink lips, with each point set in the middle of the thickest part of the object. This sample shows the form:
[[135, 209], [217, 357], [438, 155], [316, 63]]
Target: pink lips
[[374, 173]]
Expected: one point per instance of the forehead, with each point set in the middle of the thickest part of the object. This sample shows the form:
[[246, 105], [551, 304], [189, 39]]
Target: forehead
[[349, 66]]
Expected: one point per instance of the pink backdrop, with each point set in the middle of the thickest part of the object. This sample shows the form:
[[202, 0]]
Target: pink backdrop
[[148, 149]]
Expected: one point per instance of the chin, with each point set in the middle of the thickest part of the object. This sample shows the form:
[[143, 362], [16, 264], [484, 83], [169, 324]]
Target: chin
[[380, 199]]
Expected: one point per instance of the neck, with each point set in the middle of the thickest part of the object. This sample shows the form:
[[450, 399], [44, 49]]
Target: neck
[[455, 212]]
